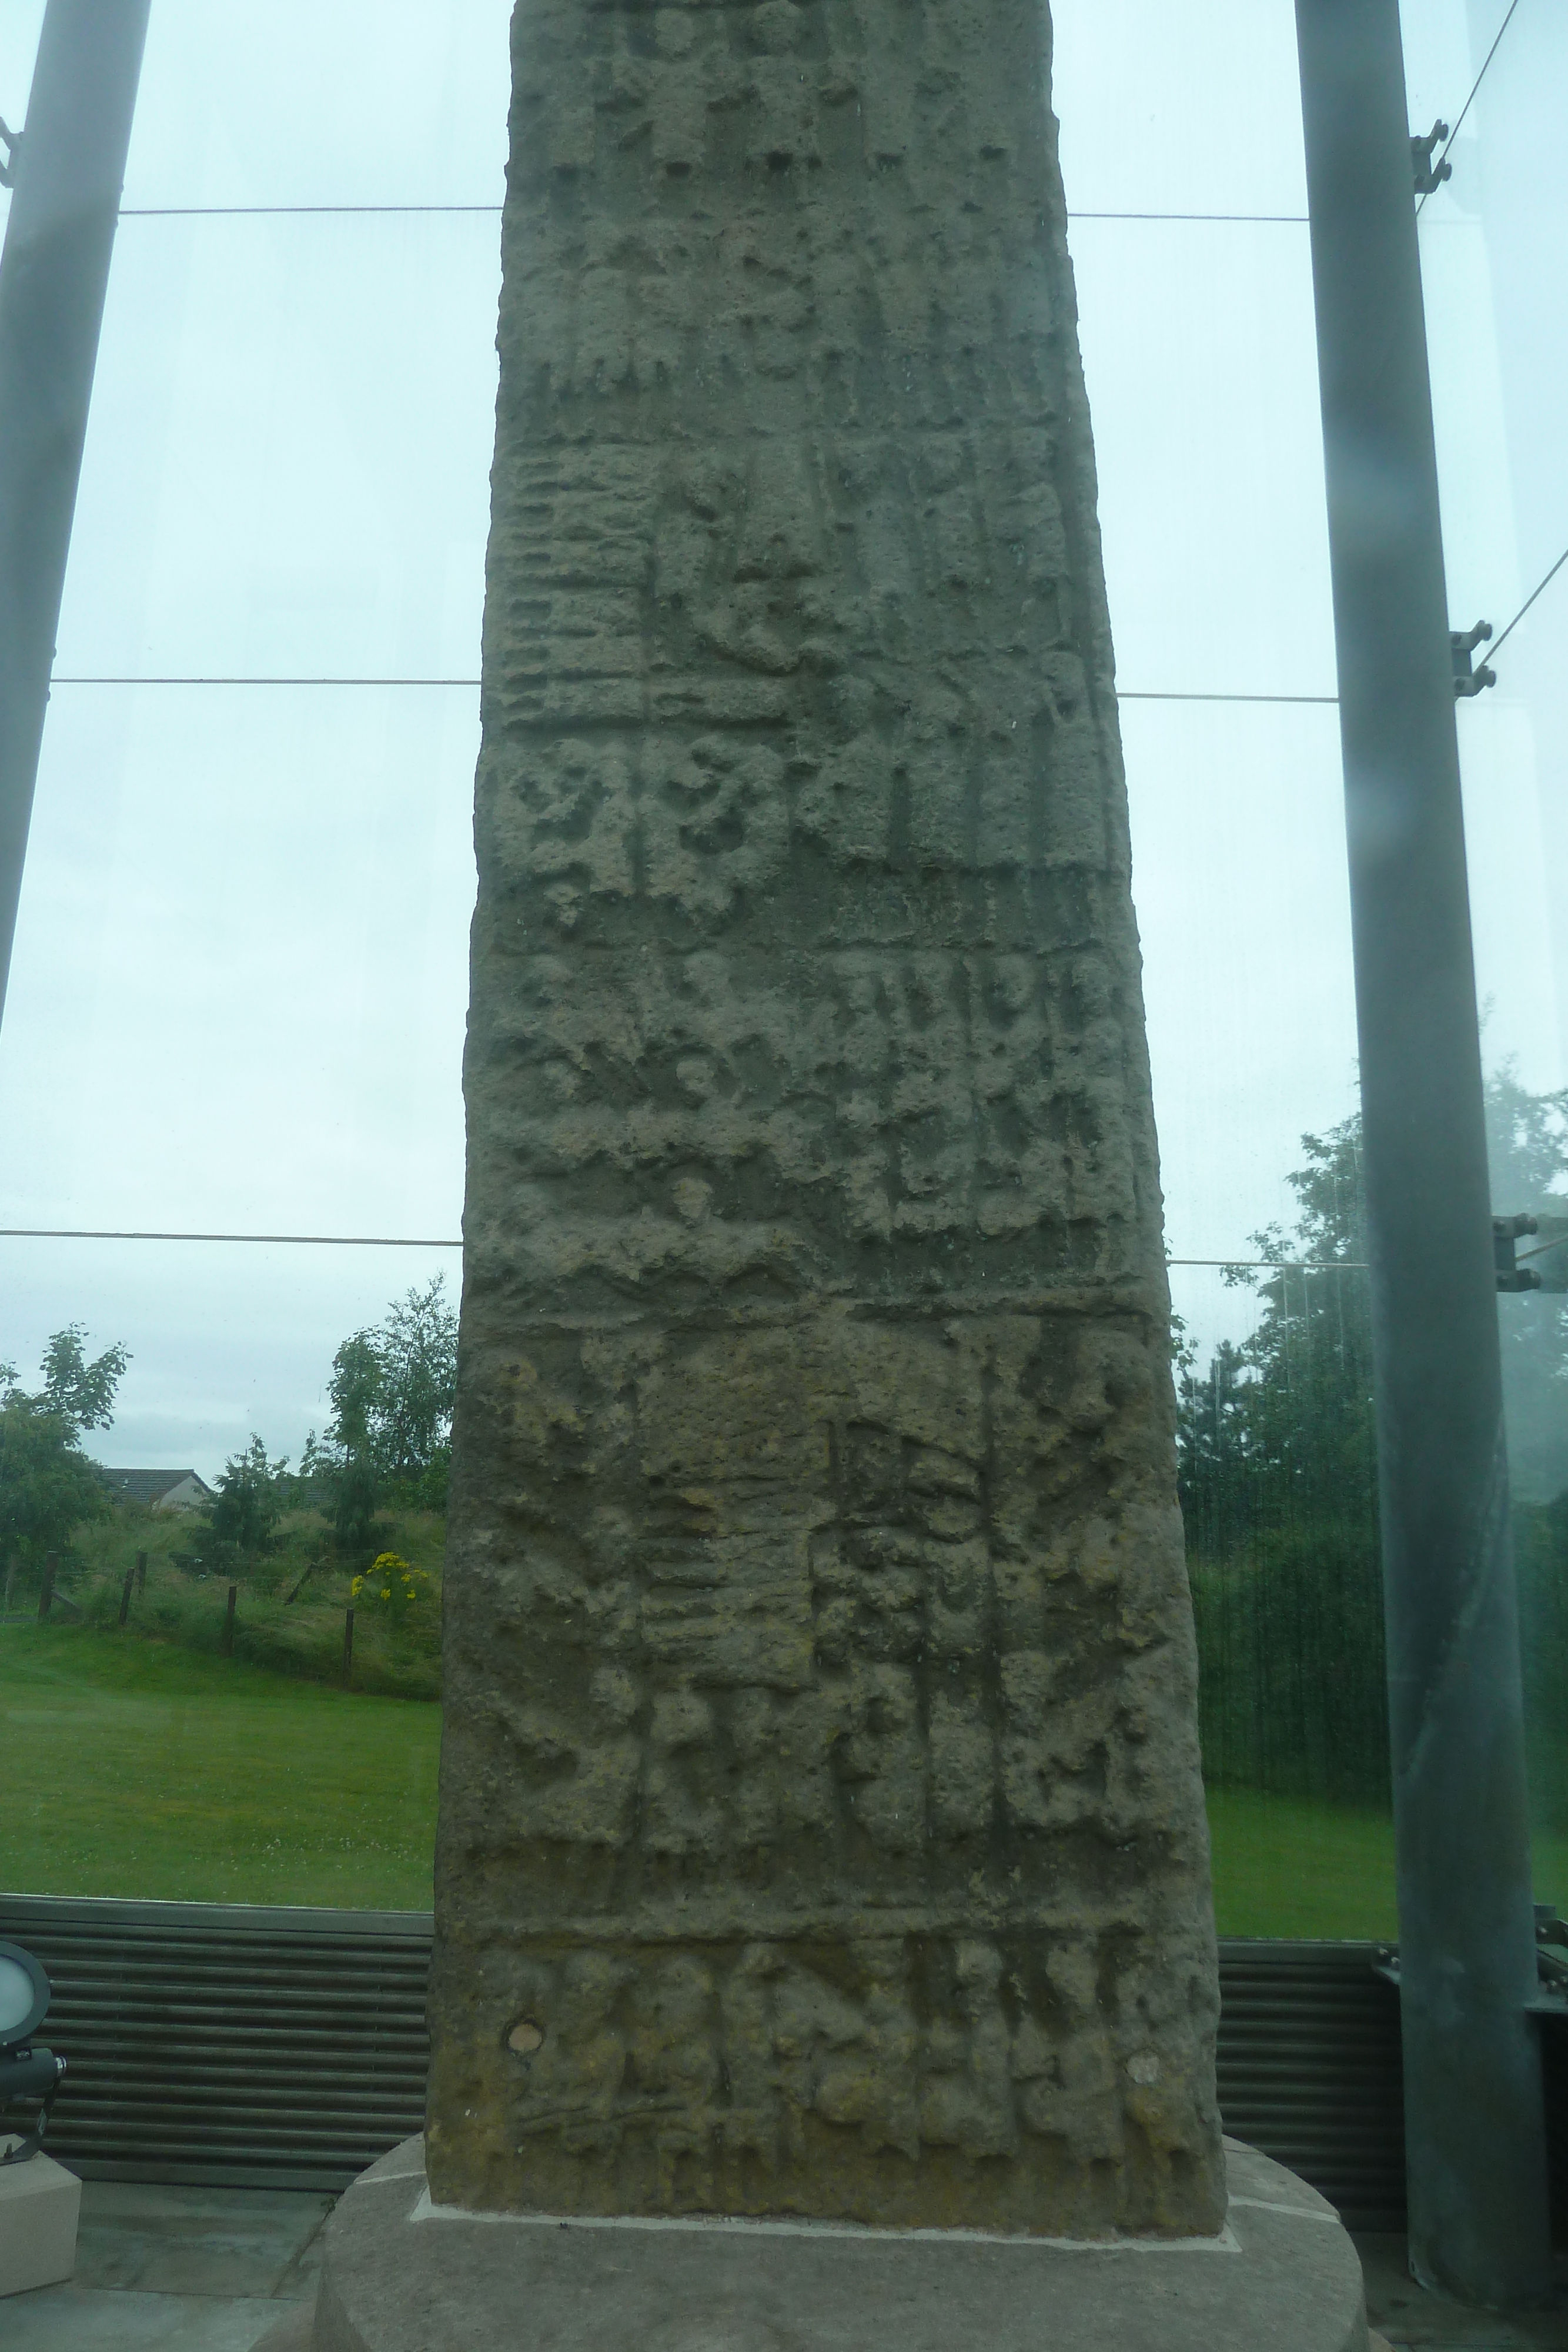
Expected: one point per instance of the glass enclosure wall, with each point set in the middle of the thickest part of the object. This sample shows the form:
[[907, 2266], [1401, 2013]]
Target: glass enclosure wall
[[237, 999], [1182, 155], [238, 995], [1494, 257]]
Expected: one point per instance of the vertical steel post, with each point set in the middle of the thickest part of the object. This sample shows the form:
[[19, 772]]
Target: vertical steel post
[[67, 166], [1475, 2146]]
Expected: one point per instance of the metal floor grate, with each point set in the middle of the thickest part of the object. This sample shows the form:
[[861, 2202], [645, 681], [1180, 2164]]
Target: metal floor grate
[[211, 2043]]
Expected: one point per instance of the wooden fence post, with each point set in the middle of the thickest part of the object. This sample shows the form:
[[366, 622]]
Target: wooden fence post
[[125, 1593], [48, 1594], [348, 1647], [229, 1622]]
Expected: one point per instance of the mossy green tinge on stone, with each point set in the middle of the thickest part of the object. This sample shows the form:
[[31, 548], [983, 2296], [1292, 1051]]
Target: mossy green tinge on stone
[[822, 1830]]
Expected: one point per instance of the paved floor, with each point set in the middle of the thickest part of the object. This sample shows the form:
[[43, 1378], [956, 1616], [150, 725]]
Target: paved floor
[[1405, 2314], [211, 2270], [174, 2270]]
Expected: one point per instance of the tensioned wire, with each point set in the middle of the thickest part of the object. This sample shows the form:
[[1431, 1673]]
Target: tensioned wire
[[407, 1241], [263, 211], [164, 212], [1493, 650], [1471, 100], [471, 685]]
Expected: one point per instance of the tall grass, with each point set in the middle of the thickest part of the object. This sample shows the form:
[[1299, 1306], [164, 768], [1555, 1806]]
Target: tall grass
[[290, 1603]]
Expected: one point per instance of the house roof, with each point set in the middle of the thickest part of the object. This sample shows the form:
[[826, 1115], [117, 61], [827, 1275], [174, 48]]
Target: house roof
[[150, 1486]]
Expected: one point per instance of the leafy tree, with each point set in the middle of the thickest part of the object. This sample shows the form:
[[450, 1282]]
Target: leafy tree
[[79, 1393], [392, 1389], [48, 1486], [417, 1347], [1277, 1480], [251, 1495], [1527, 1143], [355, 1495]]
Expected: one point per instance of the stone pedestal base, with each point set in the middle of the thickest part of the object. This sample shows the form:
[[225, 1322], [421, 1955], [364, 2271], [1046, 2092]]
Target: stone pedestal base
[[402, 2276], [39, 2205]]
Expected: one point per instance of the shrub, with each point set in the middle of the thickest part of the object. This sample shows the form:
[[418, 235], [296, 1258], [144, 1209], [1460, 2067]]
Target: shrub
[[391, 1583]]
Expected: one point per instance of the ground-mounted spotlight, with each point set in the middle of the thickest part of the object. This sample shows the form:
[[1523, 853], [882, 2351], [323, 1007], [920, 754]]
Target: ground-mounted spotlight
[[29, 2076]]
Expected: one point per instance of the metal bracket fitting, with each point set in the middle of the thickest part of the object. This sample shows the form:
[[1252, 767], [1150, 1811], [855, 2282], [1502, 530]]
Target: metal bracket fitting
[[1428, 176], [1505, 1233], [1462, 644], [12, 143]]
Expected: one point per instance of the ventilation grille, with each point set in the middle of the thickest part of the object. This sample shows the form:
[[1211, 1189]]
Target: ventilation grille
[[288, 2049], [1309, 2071], [217, 2043]]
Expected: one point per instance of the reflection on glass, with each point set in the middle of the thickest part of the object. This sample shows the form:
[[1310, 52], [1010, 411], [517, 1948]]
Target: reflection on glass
[[1494, 255], [1279, 1495]]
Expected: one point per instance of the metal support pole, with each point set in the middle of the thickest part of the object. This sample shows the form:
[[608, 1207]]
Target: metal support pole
[[1475, 2144], [67, 166]]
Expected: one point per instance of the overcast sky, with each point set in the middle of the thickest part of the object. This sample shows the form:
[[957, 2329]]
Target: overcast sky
[[238, 991]]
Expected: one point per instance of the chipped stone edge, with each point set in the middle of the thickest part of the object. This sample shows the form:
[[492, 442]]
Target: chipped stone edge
[[1268, 2205], [1226, 2243]]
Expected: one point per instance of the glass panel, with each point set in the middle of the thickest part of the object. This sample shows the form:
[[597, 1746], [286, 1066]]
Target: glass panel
[[1200, 358], [1170, 110], [287, 102], [288, 465], [190, 1756], [239, 985], [1446, 43], [1238, 877], [1240, 880], [238, 991], [19, 23], [1494, 251], [1200, 355], [1278, 1491], [238, 988], [225, 1339]]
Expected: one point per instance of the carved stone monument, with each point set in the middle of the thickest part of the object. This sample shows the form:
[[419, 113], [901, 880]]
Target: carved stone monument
[[820, 1823]]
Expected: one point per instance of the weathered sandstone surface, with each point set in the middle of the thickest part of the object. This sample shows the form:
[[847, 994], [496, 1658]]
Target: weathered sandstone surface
[[822, 1830]]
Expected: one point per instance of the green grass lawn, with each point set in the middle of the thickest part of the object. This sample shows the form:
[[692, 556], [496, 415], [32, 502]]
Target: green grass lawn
[[137, 1768], [1286, 1866]]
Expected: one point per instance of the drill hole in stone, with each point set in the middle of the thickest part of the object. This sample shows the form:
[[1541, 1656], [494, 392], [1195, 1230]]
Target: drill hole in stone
[[526, 2037]]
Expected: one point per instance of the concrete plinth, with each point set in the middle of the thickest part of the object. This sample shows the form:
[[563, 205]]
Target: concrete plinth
[[401, 2275], [40, 2202]]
